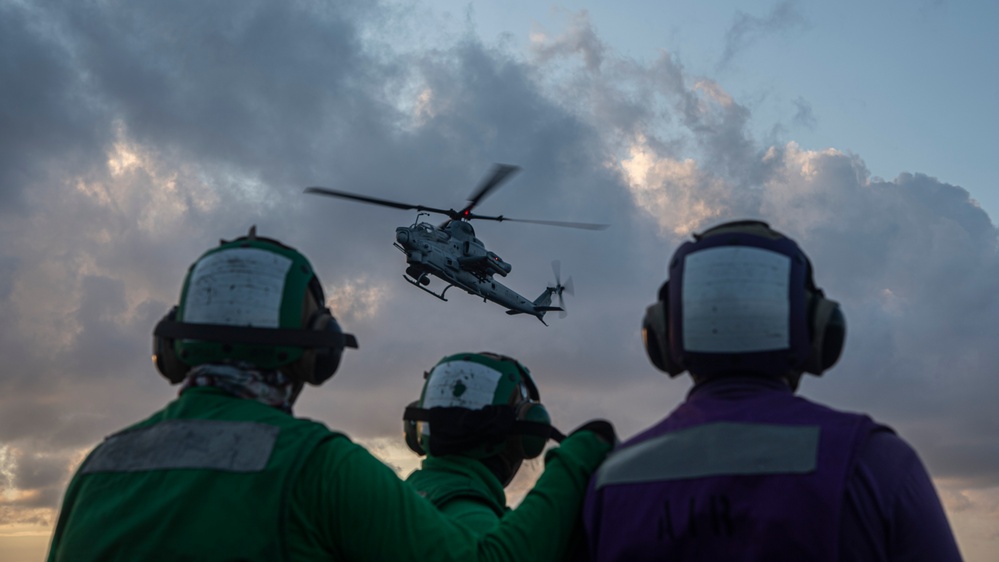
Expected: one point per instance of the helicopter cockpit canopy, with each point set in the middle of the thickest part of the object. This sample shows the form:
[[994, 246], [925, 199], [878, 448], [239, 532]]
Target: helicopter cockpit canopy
[[461, 229], [429, 231]]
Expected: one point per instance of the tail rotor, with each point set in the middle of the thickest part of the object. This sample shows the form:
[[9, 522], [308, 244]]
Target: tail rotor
[[560, 287]]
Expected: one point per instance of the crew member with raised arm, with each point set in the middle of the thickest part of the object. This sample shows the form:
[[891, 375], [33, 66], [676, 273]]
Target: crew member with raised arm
[[478, 418]]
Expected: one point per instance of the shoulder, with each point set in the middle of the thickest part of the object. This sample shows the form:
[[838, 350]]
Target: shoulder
[[885, 453], [890, 471], [334, 472], [337, 449], [891, 505], [459, 483]]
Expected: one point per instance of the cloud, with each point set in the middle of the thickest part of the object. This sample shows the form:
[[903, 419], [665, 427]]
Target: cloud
[[50, 124], [356, 300], [974, 517], [747, 29], [678, 194], [580, 37], [803, 116]]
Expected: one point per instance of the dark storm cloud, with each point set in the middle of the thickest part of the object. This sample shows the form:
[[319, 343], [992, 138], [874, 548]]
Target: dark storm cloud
[[49, 123], [233, 81], [41, 476], [95, 247]]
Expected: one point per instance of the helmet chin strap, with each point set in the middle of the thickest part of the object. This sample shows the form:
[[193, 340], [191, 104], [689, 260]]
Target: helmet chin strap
[[503, 466], [296, 390]]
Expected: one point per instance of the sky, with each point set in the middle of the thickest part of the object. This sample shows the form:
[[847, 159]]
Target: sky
[[134, 136]]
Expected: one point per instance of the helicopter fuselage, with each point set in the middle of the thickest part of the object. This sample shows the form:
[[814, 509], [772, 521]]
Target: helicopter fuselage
[[455, 255]]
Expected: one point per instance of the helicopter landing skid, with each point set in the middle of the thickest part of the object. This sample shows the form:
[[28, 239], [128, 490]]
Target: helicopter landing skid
[[422, 288]]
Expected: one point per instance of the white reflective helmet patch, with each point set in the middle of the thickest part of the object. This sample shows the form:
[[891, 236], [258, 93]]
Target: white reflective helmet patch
[[462, 384], [735, 300], [237, 287]]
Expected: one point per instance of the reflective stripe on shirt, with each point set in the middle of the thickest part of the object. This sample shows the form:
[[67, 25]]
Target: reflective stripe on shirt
[[233, 446], [715, 449]]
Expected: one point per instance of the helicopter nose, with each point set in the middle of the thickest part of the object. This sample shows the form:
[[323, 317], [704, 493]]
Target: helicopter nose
[[402, 235]]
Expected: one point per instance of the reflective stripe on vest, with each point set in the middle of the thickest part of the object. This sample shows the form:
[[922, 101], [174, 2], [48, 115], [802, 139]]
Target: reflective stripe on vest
[[233, 446], [722, 448]]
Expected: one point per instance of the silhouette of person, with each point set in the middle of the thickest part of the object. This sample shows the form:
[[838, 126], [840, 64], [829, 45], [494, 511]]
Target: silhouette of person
[[743, 469]]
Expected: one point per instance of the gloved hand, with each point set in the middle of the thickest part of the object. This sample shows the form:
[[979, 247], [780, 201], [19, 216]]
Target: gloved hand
[[585, 448], [602, 428]]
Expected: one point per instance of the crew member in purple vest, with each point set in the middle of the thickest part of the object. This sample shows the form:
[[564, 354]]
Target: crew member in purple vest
[[744, 470]]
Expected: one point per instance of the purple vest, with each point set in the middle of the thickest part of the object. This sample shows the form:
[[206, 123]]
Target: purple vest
[[755, 477]]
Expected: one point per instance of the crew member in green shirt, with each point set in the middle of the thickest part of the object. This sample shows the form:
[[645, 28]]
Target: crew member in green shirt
[[226, 472], [478, 418]]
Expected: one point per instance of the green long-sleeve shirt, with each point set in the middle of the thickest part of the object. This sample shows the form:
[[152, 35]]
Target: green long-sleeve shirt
[[340, 504], [463, 489]]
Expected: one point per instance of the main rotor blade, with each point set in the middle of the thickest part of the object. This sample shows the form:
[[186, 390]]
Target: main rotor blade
[[581, 225], [501, 172], [375, 200]]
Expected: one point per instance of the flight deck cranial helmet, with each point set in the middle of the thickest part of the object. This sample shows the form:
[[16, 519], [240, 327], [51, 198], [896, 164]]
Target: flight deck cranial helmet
[[481, 405], [251, 301], [741, 298]]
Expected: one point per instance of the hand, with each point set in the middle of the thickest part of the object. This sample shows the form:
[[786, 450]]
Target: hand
[[602, 428]]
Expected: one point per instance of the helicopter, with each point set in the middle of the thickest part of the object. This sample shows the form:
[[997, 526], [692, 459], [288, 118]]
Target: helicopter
[[451, 252]]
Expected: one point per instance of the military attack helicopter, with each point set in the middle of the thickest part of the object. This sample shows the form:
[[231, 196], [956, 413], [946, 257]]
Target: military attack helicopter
[[452, 253]]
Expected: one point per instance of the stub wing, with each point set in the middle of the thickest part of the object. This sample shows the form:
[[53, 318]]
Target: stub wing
[[488, 264], [537, 310]]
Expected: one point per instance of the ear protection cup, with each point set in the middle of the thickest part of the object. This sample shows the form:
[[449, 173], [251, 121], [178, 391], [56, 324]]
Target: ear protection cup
[[655, 335], [165, 356], [828, 331], [318, 364], [834, 338], [410, 430], [530, 446]]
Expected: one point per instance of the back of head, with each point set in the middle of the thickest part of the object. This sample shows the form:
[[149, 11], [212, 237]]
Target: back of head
[[251, 302], [480, 405], [741, 299]]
